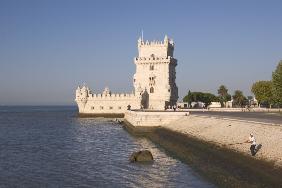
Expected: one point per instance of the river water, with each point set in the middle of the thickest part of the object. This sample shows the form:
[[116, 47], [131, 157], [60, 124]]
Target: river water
[[51, 147]]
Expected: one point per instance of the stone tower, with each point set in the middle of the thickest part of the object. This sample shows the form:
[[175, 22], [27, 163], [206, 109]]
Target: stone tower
[[155, 72]]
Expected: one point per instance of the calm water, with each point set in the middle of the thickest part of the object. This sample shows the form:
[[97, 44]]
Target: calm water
[[50, 147]]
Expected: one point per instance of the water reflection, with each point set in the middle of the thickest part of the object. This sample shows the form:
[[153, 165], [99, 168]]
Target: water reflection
[[165, 171], [55, 149]]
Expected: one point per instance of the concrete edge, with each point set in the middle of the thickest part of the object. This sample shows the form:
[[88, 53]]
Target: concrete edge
[[138, 130], [104, 115]]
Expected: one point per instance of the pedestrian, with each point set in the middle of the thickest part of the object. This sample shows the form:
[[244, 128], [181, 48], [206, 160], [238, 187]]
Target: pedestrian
[[252, 140]]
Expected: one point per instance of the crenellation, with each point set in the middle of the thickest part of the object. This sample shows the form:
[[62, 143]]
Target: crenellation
[[109, 96]]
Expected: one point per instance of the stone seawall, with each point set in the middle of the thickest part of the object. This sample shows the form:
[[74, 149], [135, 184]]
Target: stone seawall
[[152, 118], [232, 133], [104, 115], [234, 110]]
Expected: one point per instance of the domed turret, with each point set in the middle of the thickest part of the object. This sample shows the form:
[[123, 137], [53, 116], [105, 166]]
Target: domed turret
[[139, 41], [77, 93], [165, 39], [81, 97], [107, 91], [84, 92]]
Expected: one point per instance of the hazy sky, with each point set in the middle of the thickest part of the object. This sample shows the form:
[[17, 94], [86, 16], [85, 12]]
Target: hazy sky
[[48, 48]]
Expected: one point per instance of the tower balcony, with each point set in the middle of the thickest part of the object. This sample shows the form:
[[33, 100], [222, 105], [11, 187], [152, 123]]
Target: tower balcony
[[148, 60]]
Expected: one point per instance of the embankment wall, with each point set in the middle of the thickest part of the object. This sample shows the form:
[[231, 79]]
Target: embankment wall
[[145, 118]]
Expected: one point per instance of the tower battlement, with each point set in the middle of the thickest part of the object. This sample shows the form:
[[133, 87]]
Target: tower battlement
[[84, 93], [155, 48], [154, 60], [107, 102]]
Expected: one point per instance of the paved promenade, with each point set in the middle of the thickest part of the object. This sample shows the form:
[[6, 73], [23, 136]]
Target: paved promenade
[[272, 118]]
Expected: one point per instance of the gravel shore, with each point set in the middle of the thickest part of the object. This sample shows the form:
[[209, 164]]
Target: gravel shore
[[233, 133]]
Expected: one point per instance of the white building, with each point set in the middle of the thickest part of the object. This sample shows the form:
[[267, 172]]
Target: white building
[[183, 105], [215, 105], [229, 104], [154, 83]]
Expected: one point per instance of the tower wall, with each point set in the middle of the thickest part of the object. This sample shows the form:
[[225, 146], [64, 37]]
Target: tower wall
[[89, 103], [155, 72]]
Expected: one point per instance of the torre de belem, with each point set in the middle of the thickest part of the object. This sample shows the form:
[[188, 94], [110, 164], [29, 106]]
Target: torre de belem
[[154, 83]]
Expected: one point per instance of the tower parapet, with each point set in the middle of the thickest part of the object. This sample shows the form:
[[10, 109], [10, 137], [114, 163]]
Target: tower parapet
[[155, 48]]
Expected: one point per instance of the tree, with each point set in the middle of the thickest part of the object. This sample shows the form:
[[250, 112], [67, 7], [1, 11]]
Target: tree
[[223, 95], [250, 98], [238, 98], [206, 98], [188, 98], [228, 97], [263, 92], [277, 84]]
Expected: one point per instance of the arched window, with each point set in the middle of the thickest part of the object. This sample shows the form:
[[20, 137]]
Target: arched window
[[151, 78], [151, 90], [151, 67]]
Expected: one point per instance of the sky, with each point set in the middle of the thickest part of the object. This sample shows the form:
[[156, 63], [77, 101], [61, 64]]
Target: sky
[[48, 48]]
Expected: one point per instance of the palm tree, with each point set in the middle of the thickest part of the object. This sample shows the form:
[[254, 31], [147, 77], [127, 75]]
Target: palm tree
[[277, 83], [238, 98], [223, 95]]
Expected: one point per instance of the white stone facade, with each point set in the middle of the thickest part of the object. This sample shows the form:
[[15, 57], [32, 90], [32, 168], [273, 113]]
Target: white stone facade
[[155, 72], [154, 83], [106, 102]]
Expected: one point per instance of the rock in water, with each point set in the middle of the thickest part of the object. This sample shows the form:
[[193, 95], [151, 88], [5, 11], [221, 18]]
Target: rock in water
[[141, 156]]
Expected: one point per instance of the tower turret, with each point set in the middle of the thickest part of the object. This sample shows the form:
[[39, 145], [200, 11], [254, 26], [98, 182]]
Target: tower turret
[[157, 48], [155, 71], [106, 91], [81, 96]]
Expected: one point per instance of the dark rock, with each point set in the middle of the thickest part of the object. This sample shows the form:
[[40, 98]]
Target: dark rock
[[141, 156]]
